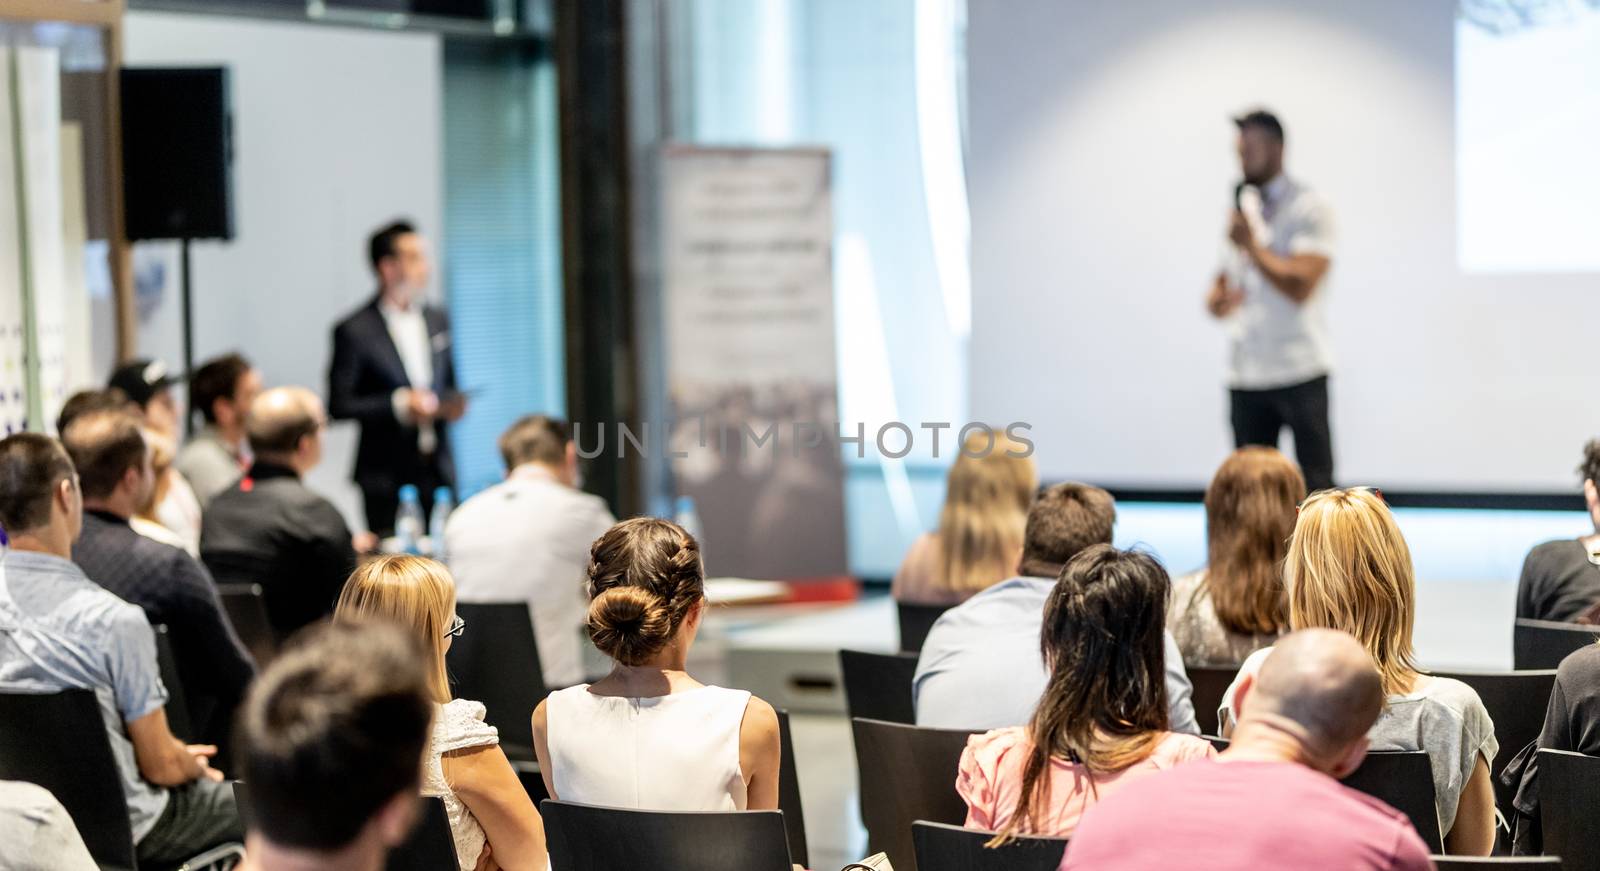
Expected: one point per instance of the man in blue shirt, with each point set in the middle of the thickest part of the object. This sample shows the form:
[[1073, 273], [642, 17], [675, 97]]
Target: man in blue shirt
[[981, 667], [59, 630]]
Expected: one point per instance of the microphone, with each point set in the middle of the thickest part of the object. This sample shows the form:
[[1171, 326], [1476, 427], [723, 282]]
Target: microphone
[[1238, 194]]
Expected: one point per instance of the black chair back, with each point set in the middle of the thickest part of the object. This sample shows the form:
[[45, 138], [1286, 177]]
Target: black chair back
[[179, 718], [1497, 863], [794, 818], [906, 774], [1544, 643], [430, 847], [1210, 682], [58, 741], [1569, 804], [915, 622], [944, 847], [877, 686], [1404, 781], [247, 611], [1516, 702], [589, 838], [496, 662]]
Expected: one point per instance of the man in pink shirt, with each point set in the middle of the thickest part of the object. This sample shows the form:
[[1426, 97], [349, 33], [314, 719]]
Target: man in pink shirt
[[1272, 800]]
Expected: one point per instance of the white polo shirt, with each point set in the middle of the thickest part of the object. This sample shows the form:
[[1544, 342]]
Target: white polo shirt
[[1275, 341], [527, 539]]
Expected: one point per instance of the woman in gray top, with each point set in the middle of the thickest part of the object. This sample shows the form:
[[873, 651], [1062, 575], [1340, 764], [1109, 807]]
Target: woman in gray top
[[1348, 568], [1221, 614]]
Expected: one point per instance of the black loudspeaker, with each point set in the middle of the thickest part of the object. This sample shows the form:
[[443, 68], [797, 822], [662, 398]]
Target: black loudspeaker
[[177, 153]]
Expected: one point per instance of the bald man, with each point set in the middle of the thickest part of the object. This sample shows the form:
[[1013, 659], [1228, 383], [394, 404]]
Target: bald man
[[273, 530], [1272, 800]]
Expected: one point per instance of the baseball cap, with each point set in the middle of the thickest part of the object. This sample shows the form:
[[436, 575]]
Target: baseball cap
[[142, 379]]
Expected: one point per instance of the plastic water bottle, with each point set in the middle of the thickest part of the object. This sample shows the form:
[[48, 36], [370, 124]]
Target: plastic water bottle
[[443, 504], [408, 520], [685, 515]]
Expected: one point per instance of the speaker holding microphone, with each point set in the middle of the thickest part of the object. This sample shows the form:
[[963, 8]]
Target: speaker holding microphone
[[177, 153]]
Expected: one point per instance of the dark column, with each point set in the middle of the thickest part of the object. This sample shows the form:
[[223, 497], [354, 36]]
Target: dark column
[[597, 241]]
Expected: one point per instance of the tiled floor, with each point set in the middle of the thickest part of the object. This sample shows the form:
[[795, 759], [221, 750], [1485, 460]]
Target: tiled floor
[[1467, 565]]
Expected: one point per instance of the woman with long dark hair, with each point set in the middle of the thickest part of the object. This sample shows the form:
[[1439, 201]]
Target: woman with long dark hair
[[1236, 604], [1102, 720]]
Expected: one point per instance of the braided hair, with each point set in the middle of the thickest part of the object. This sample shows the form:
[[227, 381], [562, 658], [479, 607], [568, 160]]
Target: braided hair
[[645, 578]]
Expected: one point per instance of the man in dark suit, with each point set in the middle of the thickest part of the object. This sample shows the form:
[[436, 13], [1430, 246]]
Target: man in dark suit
[[392, 371]]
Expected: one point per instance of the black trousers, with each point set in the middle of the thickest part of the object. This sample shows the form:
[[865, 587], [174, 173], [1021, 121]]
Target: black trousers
[[381, 502], [1259, 416]]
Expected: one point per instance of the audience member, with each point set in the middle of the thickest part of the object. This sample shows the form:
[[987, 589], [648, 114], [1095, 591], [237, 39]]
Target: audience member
[[85, 401], [331, 741], [269, 528], [1102, 721], [1561, 578], [145, 519], [979, 539], [115, 476], [148, 386], [1348, 568], [221, 390], [36, 834], [648, 735], [465, 765], [527, 540], [62, 631], [1272, 799], [980, 667], [1236, 605], [1572, 723]]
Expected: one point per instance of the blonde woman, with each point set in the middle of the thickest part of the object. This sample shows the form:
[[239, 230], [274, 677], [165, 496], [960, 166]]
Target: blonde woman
[[1348, 568], [492, 818], [1236, 605], [979, 539], [147, 522]]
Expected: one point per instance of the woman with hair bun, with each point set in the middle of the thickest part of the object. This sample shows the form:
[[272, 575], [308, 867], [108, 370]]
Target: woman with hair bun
[[648, 735]]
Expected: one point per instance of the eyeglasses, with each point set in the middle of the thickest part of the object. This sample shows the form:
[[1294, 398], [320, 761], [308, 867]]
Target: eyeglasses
[[457, 626]]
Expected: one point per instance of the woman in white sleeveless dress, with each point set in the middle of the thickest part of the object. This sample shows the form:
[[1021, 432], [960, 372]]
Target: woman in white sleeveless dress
[[647, 735], [493, 821]]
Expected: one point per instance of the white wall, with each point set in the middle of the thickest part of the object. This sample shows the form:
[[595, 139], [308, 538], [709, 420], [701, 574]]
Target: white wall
[[336, 131], [1100, 171]]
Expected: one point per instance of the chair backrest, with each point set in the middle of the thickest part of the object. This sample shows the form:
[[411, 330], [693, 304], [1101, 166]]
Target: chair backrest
[[58, 741], [1404, 781], [1569, 804], [1210, 682], [179, 720], [1497, 863], [1516, 702], [915, 622], [944, 847], [794, 818], [588, 838], [247, 611], [906, 774], [430, 846], [877, 686], [496, 662], [1544, 643]]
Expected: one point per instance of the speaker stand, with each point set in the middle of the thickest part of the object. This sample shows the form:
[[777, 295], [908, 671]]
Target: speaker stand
[[188, 326]]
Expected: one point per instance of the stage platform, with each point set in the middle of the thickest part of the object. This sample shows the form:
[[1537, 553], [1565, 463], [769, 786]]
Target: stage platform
[[1467, 562]]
